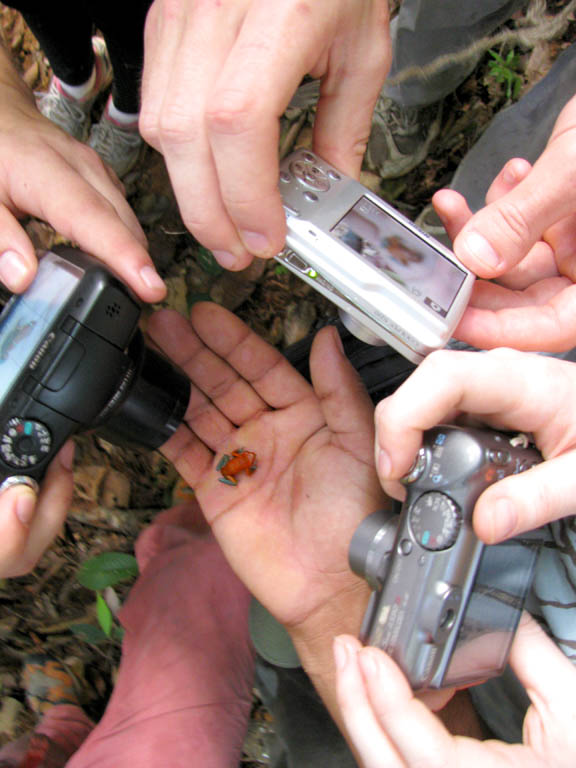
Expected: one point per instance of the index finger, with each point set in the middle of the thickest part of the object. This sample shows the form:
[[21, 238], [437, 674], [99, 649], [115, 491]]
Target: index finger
[[87, 207], [508, 389], [348, 51], [543, 318], [501, 234]]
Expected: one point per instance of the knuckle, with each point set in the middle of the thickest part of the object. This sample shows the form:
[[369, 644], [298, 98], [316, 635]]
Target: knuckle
[[513, 221], [172, 10], [176, 124], [437, 363], [231, 112], [148, 125]]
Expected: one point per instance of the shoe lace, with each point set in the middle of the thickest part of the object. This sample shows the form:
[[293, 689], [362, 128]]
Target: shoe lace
[[55, 104], [401, 119], [117, 147]]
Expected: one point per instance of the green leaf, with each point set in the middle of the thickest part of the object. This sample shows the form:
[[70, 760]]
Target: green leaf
[[205, 258], [107, 569], [89, 633], [104, 614]]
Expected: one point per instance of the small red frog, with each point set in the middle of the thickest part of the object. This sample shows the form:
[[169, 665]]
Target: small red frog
[[239, 461]]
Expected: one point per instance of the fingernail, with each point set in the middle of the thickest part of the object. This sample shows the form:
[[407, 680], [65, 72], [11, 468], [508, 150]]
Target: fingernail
[[504, 519], [13, 269], [151, 278], [509, 174], [255, 242], [383, 463], [66, 455], [480, 249], [26, 507], [368, 662], [225, 259], [341, 653], [337, 340]]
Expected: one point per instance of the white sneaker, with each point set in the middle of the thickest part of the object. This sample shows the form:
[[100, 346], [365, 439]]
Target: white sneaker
[[73, 115], [117, 144]]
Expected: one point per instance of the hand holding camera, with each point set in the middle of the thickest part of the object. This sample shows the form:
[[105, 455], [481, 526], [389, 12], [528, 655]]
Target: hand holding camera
[[72, 358], [445, 607], [393, 283]]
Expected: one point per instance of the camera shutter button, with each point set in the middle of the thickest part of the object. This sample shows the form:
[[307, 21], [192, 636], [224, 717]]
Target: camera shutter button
[[416, 469]]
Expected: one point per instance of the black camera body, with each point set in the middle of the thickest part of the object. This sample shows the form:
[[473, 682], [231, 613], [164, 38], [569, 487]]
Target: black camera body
[[445, 606], [72, 358]]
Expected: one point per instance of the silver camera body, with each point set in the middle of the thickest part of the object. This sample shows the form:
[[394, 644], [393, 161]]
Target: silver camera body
[[393, 283], [445, 606]]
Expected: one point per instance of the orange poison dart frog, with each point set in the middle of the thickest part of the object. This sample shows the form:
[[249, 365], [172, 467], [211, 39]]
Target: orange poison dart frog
[[239, 461]]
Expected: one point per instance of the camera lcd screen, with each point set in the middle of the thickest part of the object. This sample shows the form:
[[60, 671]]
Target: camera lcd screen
[[414, 265], [493, 610], [27, 319]]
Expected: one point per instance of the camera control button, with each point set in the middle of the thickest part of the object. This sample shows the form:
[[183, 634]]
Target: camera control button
[[499, 457], [310, 175], [416, 469], [405, 547], [24, 442], [69, 325], [435, 521]]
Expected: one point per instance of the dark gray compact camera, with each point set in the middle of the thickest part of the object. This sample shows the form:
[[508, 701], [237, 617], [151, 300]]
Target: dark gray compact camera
[[72, 358], [445, 606]]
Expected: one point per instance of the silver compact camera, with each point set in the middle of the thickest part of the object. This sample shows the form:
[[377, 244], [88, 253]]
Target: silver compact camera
[[445, 606], [393, 283]]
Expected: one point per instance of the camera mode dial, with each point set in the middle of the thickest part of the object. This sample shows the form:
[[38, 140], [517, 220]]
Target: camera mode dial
[[24, 442], [435, 521]]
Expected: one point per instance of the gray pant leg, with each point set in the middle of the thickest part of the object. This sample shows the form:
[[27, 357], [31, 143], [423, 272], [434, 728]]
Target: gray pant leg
[[521, 130], [427, 29], [307, 735]]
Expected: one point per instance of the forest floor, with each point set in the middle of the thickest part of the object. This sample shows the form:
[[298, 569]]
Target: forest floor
[[117, 491]]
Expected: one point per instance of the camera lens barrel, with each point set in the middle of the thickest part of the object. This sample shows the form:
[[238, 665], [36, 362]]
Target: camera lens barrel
[[371, 546], [155, 402]]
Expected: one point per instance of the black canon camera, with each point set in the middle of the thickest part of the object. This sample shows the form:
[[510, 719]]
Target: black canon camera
[[445, 606], [72, 358]]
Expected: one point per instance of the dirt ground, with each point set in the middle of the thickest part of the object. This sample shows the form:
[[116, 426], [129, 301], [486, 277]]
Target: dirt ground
[[118, 491]]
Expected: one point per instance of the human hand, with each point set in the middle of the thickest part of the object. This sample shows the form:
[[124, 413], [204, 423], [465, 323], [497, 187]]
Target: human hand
[[47, 174], [524, 239], [391, 728], [504, 389], [218, 76], [285, 529], [29, 523]]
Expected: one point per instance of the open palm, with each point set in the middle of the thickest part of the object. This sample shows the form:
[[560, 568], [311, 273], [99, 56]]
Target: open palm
[[286, 528]]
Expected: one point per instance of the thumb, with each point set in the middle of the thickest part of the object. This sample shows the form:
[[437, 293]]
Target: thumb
[[17, 256], [499, 236], [346, 405], [549, 678], [527, 500]]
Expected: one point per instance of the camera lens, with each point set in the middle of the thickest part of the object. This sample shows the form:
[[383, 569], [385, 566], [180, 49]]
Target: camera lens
[[150, 403], [371, 546], [359, 330]]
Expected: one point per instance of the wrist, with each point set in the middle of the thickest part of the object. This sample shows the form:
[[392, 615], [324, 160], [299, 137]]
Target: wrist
[[313, 639]]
